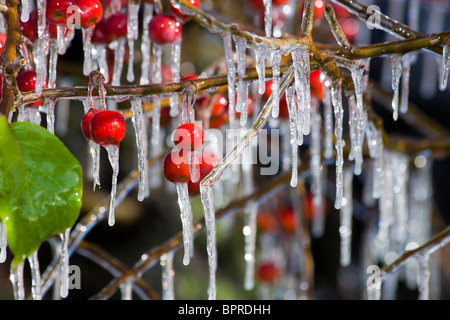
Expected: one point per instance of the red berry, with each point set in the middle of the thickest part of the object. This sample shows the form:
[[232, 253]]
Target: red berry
[[116, 26], [2, 42], [209, 161], [268, 272], [280, 2], [350, 26], [107, 127], [164, 29], [190, 77], [219, 112], [176, 167], [56, 11], [26, 81], [86, 122], [29, 28], [190, 136], [100, 34], [288, 220], [316, 84], [91, 12], [266, 221], [177, 12]]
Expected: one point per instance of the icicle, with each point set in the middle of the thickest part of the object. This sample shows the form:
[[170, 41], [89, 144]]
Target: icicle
[[249, 231], [293, 128], [396, 64], [346, 214], [102, 61], [424, 277], [119, 52], [328, 120], [3, 242], [241, 46], [386, 205], [166, 261], [356, 136], [113, 156], [302, 87], [194, 165], [16, 277], [24, 10], [87, 49], [40, 60], [336, 94], [445, 68], [60, 35], [64, 271], [315, 164], [157, 63], [132, 35], [126, 290], [260, 55], [268, 17], [244, 107], [208, 206], [94, 150], [357, 72], [35, 276], [276, 60], [186, 220], [175, 68], [50, 110], [146, 44], [231, 77], [141, 133], [400, 169], [404, 98]]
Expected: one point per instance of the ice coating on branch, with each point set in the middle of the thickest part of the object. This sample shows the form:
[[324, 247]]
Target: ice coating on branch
[[175, 68], [113, 156], [404, 97], [64, 270], [167, 276], [35, 276], [186, 220], [346, 214], [396, 64], [445, 68], [3, 242], [260, 61], [118, 46], [357, 71], [208, 207], [141, 134], [40, 59], [241, 97], [276, 60], [249, 231], [293, 130], [231, 76], [336, 97], [146, 44], [132, 35], [16, 277]]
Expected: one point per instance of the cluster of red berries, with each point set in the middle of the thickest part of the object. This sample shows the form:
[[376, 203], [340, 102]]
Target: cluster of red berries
[[104, 127], [188, 138]]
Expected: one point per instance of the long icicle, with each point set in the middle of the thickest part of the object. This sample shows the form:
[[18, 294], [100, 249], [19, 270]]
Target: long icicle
[[16, 277], [231, 75], [146, 44], [336, 94], [208, 205], [35, 276], [141, 133], [64, 272], [186, 220], [3, 242], [167, 278], [396, 64]]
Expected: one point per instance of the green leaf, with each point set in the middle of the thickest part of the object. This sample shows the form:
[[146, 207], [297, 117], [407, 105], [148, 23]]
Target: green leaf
[[40, 186]]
